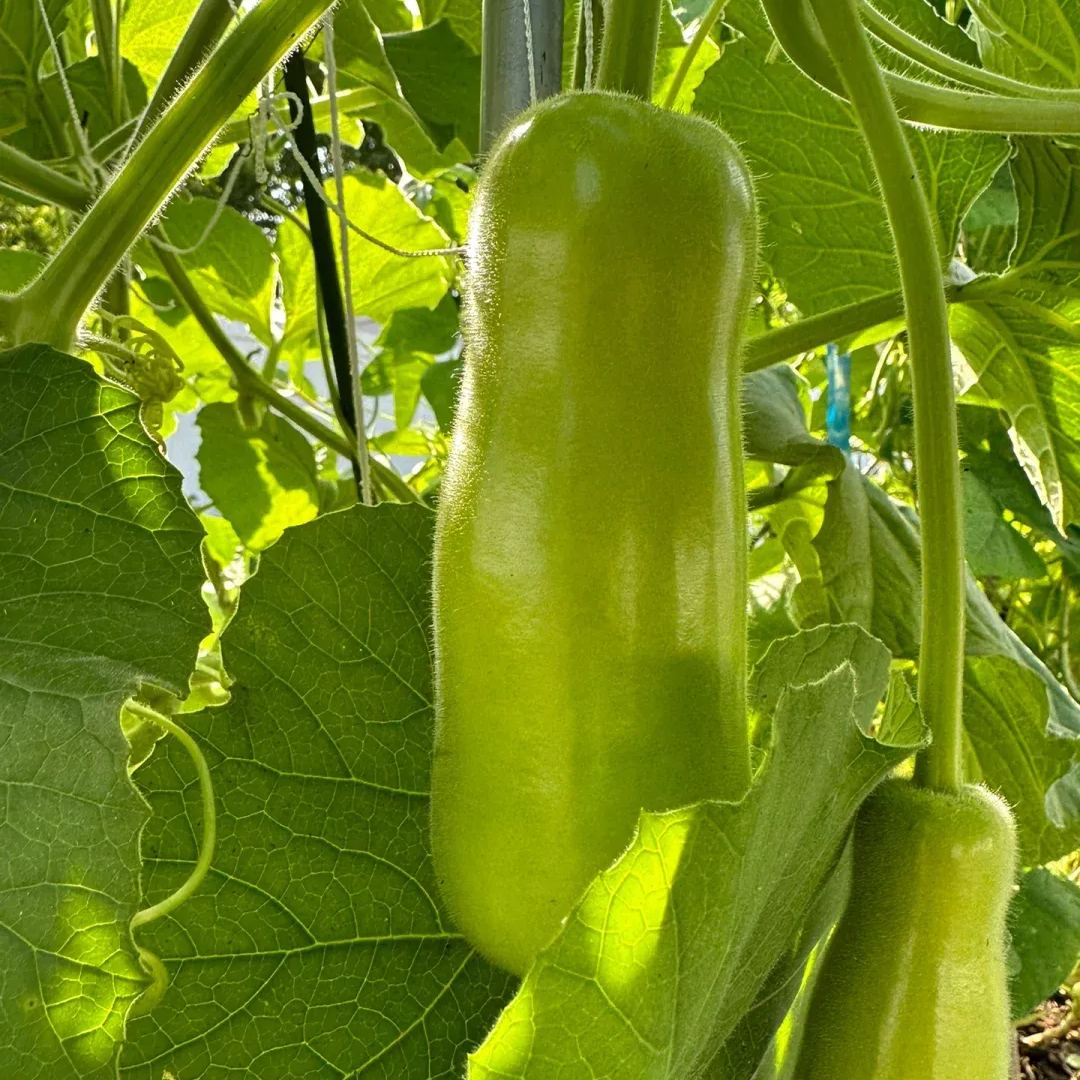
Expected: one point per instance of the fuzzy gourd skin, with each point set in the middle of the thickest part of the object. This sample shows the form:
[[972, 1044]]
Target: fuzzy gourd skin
[[923, 933], [590, 564]]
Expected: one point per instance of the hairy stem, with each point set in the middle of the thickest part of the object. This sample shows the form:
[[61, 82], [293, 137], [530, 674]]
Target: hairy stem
[[708, 21], [914, 48], [51, 308], [918, 102], [941, 650], [32, 177], [628, 55]]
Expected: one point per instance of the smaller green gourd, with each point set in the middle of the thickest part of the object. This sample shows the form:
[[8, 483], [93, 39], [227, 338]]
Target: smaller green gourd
[[921, 940]]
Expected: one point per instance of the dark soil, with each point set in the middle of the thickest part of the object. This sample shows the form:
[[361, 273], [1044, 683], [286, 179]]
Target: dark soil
[[1057, 1059]]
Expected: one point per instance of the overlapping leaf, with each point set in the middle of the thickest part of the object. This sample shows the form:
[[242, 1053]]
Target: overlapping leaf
[[99, 593], [317, 947]]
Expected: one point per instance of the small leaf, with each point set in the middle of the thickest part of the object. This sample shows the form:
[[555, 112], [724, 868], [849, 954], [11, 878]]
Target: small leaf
[[262, 481], [1044, 921]]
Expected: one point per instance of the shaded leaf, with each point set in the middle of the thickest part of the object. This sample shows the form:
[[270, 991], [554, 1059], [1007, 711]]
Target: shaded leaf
[[317, 944], [99, 590], [1044, 923]]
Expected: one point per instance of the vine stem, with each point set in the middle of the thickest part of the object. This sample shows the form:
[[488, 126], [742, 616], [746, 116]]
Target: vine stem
[[209, 833], [708, 21], [628, 54], [800, 36], [941, 650], [50, 309], [914, 48], [387, 480]]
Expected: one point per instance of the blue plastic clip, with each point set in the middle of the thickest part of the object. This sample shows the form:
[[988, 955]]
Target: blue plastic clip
[[838, 401]]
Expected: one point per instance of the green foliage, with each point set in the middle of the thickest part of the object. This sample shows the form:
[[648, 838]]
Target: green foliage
[[287, 627], [100, 575]]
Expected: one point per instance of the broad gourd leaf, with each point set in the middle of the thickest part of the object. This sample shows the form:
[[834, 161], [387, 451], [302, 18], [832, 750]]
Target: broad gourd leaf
[[406, 351], [1044, 924], [1037, 41], [667, 950], [993, 547], [464, 16], [362, 63], [869, 556], [317, 946], [99, 594], [1020, 333], [260, 481], [1005, 713], [440, 78], [823, 224]]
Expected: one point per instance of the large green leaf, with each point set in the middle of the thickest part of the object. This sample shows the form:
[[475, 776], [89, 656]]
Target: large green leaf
[[1044, 923], [823, 224], [440, 77], [667, 950], [317, 946], [99, 594], [228, 258], [1021, 334], [151, 31]]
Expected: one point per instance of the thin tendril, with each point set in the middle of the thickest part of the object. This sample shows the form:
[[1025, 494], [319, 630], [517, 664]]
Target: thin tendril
[[425, 253], [209, 837]]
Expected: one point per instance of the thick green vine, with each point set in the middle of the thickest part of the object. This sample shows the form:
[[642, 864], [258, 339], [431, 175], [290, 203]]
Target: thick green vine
[[941, 651]]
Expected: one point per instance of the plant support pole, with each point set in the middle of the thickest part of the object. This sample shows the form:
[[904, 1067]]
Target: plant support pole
[[506, 87], [941, 649]]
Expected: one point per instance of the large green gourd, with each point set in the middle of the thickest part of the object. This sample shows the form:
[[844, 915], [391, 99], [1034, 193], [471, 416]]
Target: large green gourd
[[923, 933], [590, 565]]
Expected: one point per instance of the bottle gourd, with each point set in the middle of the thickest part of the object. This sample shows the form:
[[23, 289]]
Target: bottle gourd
[[590, 562], [921, 942]]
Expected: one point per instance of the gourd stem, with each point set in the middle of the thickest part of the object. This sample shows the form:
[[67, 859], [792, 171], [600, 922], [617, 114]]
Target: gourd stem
[[53, 305], [708, 21], [914, 48], [941, 650], [918, 102], [628, 54], [29, 175]]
